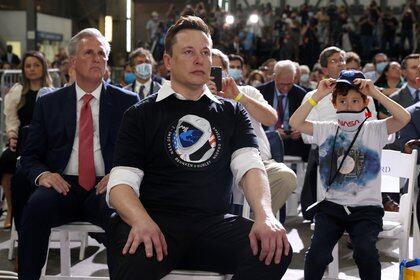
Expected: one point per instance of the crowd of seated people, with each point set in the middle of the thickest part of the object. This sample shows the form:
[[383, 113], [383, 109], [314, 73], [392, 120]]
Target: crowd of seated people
[[268, 91]]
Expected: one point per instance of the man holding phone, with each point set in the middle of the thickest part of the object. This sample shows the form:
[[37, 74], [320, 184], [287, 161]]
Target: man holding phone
[[286, 97], [281, 178]]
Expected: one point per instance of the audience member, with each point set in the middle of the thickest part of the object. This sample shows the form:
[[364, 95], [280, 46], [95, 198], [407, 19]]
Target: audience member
[[141, 60], [282, 179], [286, 97], [408, 94], [353, 61], [236, 64], [178, 217], [350, 160], [380, 60], [10, 57], [69, 151], [19, 105]]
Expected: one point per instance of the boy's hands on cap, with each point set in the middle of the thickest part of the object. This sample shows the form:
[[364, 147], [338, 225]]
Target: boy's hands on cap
[[325, 87], [366, 87]]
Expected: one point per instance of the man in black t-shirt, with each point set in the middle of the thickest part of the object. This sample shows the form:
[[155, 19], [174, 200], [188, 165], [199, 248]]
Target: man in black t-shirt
[[176, 156]]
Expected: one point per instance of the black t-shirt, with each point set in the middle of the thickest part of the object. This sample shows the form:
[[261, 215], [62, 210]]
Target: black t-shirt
[[184, 148], [26, 111]]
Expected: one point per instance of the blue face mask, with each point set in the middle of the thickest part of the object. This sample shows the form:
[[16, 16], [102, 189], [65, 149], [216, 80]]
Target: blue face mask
[[381, 66], [129, 78], [236, 74], [144, 70]]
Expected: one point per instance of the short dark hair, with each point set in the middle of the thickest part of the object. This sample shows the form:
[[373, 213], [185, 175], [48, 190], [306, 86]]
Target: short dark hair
[[374, 57], [188, 22], [343, 89], [236, 57], [352, 56], [326, 53], [410, 56]]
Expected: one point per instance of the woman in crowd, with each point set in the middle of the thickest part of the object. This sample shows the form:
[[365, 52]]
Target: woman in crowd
[[389, 81], [19, 104], [256, 78]]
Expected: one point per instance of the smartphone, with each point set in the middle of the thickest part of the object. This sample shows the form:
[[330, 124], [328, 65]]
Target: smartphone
[[216, 72], [288, 132]]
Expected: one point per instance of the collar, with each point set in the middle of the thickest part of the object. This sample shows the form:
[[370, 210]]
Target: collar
[[166, 91], [411, 89], [146, 85], [80, 92], [278, 93]]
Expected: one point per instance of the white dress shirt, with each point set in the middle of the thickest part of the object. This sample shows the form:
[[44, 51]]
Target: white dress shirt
[[146, 85], [72, 167], [242, 159]]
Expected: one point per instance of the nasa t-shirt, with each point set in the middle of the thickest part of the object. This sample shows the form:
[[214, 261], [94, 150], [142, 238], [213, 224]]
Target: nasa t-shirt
[[358, 182], [184, 148]]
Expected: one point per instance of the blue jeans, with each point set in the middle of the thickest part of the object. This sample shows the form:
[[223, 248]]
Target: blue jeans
[[363, 225]]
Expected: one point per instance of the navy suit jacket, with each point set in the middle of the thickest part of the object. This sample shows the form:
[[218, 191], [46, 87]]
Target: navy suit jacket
[[53, 128], [412, 129], [294, 98]]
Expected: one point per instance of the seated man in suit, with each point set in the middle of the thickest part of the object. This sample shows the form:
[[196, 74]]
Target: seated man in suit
[[176, 156], [69, 151], [286, 97], [281, 178], [141, 61], [408, 94], [411, 132]]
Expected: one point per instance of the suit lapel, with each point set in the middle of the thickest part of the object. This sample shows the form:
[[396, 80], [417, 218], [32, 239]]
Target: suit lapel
[[105, 113], [70, 111]]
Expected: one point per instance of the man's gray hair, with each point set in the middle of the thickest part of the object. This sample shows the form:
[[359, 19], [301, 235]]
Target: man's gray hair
[[88, 32], [224, 58], [285, 65]]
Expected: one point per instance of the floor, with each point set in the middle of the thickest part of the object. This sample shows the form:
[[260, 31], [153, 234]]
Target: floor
[[299, 234]]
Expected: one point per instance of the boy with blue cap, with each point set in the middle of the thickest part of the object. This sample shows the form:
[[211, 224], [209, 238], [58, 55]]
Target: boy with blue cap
[[350, 159]]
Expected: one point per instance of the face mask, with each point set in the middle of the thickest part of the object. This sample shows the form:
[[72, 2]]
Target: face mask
[[255, 83], [350, 121], [381, 66], [144, 70], [304, 78], [236, 74], [129, 78]]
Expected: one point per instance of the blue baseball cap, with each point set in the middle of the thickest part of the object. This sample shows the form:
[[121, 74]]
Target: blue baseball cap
[[348, 77]]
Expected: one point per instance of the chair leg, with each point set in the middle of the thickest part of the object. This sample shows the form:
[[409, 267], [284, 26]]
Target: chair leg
[[83, 244], [403, 240], [44, 269], [65, 253], [333, 266], [13, 238]]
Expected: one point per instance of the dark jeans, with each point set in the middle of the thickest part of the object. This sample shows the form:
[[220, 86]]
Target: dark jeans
[[363, 225], [45, 209], [308, 194], [209, 243]]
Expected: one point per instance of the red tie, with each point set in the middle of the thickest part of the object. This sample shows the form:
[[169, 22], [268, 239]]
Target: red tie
[[87, 177]]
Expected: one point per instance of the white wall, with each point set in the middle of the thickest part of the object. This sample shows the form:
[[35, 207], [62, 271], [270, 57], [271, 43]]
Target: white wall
[[56, 25], [13, 27]]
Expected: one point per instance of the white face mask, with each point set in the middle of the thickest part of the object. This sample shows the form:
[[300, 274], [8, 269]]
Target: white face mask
[[350, 121], [255, 83], [144, 70], [304, 78]]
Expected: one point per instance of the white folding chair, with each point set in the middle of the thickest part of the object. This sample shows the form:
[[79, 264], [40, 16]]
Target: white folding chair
[[396, 225], [84, 228], [4, 274], [292, 202], [65, 261]]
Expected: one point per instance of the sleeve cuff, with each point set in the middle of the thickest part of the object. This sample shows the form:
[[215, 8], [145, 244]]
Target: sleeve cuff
[[243, 160], [39, 176], [124, 175]]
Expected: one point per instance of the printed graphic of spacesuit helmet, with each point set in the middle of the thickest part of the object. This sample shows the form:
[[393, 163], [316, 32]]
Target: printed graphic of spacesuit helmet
[[194, 140]]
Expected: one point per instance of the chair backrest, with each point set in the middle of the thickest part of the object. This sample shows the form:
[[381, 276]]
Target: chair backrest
[[276, 145], [396, 165]]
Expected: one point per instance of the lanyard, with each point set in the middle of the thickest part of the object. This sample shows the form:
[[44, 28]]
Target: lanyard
[[331, 180]]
